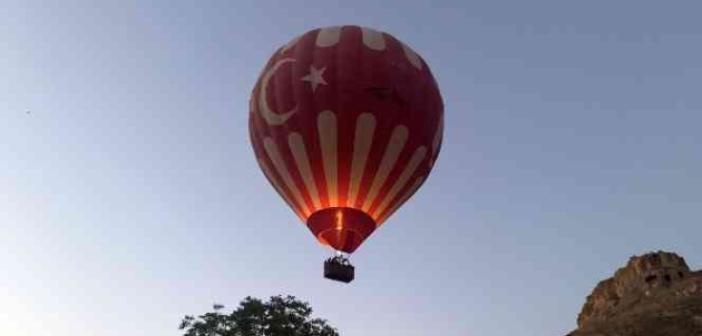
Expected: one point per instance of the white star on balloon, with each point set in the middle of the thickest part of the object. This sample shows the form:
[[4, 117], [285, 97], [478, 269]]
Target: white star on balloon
[[315, 77]]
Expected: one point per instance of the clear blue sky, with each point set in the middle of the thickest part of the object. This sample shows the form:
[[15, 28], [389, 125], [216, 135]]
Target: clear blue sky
[[130, 195]]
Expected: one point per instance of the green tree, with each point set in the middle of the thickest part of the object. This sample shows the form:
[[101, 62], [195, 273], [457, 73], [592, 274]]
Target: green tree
[[279, 316]]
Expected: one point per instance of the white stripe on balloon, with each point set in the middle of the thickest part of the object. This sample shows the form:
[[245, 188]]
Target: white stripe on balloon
[[267, 171], [392, 152], [401, 181], [326, 126], [328, 37], [299, 152], [373, 39], [412, 57], [280, 167], [363, 139]]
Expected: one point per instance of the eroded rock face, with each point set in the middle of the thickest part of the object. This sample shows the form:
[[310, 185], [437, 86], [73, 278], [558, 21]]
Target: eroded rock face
[[640, 276], [654, 294]]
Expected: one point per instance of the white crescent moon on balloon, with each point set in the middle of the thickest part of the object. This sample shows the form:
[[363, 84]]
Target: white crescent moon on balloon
[[272, 118]]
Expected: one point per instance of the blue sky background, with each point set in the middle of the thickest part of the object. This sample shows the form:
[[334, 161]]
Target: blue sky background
[[130, 196]]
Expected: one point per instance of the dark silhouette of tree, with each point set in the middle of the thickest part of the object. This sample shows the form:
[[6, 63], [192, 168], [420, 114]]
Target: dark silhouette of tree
[[279, 316]]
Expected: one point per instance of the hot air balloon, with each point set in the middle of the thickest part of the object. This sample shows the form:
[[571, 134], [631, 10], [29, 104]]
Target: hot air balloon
[[346, 124]]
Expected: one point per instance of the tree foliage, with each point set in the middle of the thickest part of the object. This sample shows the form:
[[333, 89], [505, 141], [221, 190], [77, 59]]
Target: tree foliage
[[279, 316]]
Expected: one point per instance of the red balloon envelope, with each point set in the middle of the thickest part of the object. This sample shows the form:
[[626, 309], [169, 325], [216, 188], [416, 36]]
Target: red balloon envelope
[[346, 123]]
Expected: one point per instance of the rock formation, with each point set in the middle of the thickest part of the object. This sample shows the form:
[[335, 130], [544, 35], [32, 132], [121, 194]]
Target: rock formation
[[655, 294]]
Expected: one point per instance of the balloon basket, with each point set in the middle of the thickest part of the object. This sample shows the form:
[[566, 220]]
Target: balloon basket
[[339, 268]]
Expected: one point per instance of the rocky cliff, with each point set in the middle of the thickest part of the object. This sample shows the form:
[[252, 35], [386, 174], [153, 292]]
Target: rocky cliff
[[655, 294]]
